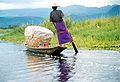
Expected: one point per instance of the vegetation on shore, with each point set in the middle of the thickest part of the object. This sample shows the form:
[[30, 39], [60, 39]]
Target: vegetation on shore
[[100, 33], [13, 35]]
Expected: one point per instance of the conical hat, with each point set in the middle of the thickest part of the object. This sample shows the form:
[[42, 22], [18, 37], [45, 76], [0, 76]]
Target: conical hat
[[55, 5]]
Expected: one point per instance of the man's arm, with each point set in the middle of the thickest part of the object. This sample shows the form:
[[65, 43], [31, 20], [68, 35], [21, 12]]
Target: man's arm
[[54, 24]]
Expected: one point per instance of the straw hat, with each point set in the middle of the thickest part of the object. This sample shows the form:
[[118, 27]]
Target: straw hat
[[55, 5]]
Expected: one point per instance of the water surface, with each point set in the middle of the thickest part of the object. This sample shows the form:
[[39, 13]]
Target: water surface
[[17, 65]]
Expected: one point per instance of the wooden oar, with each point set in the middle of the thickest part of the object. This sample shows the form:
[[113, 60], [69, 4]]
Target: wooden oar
[[75, 48], [73, 44]]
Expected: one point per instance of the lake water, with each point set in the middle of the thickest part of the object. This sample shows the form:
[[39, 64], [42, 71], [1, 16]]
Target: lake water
[[17, 65]]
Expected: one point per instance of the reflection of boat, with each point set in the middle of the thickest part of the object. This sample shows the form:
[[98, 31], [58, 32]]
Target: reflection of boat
[[49, 50]]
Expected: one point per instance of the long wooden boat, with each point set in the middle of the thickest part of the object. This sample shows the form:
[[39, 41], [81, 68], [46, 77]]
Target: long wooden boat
[[49, 50]]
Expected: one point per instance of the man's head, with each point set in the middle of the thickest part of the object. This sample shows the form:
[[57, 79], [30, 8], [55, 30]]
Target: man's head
[[54, 6]]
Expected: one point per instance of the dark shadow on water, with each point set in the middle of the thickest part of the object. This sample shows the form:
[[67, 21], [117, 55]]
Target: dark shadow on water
[[64, 68]]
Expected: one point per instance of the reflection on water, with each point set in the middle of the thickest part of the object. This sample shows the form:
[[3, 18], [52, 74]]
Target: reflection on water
[[64, 70], [40, 67], [57, 70], [17, 65]]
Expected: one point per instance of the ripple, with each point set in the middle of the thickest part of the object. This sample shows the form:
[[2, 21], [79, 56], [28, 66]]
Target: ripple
[[87, 66]]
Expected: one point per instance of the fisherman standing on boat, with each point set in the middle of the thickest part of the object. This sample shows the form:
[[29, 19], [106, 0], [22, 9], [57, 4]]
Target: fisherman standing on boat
[[56, 16]]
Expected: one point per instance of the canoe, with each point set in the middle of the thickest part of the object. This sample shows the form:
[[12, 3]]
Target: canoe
[[50, 50]]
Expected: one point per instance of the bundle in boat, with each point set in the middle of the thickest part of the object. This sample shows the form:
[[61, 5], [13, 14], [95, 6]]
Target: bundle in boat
[[37, 36]]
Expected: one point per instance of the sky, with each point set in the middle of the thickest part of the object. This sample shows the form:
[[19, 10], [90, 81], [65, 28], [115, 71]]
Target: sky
[[18, 4]]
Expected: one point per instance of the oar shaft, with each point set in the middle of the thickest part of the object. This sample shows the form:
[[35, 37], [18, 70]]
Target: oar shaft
[[54, 24], [75, 48]]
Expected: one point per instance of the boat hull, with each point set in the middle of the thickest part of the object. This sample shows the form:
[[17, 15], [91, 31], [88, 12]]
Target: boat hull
[[53, 50]]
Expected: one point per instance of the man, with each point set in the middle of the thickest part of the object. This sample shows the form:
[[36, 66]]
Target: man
[[56, 16]]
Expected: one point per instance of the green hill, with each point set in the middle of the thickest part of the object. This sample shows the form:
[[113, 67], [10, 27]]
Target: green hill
[[102, 33]]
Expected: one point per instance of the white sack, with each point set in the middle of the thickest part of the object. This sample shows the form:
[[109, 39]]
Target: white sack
[[38, 31]]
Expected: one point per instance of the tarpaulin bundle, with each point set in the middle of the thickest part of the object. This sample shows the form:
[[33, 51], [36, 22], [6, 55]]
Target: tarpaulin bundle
[[36, 36]]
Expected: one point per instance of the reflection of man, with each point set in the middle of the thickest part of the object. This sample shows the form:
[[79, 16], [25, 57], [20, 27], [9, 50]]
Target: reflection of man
[[64, 71]]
